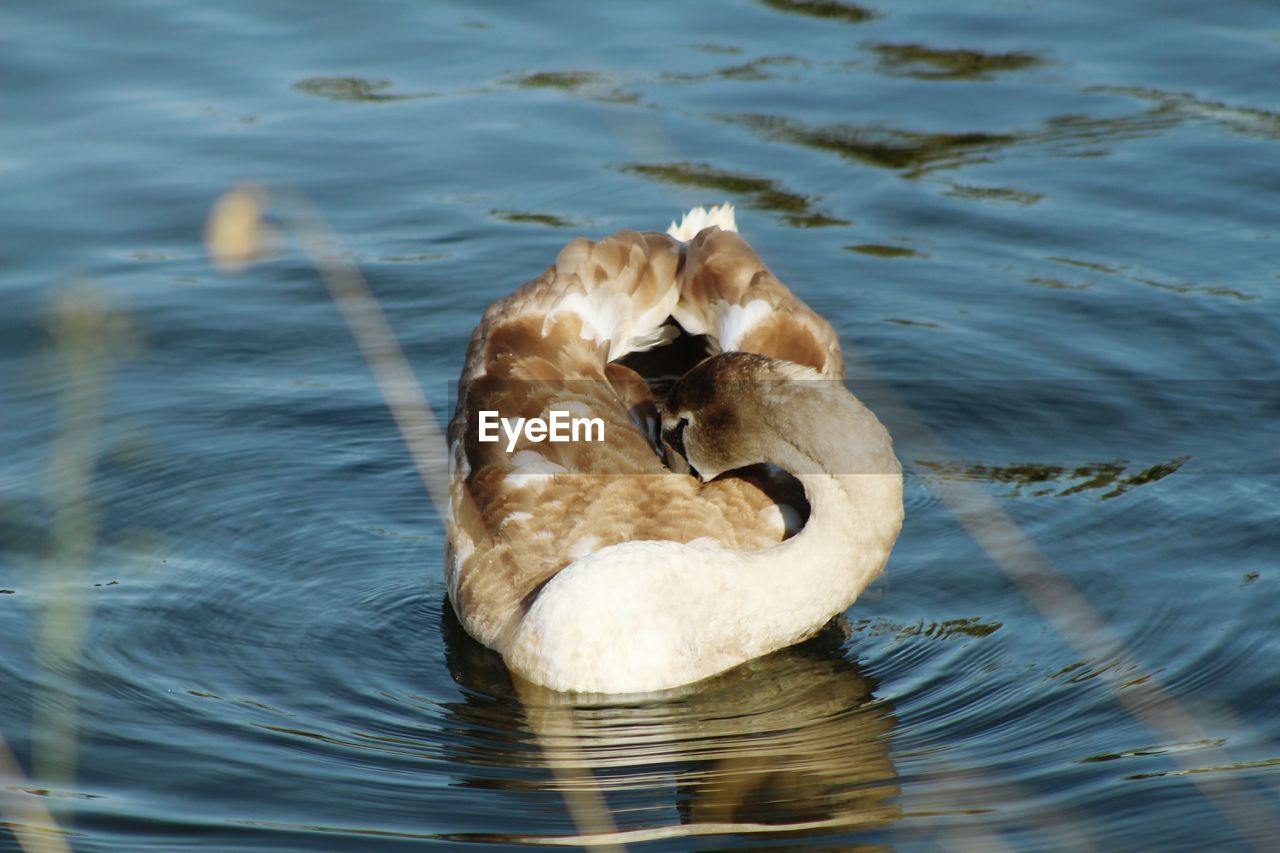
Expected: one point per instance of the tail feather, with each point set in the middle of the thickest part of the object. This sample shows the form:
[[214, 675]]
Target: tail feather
[[695, 220]]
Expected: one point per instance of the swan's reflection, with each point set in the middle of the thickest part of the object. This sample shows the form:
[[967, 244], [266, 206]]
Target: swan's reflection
[[793, 741]]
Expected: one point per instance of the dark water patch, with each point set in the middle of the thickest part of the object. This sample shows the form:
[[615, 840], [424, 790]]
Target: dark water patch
[[832, 10], [905, 150], [1189, 287], [358, 89], [521, 216], [920, 324], [756, 69], [1248, 121], [571, 81], [1147, 751], [589, 84], [1007, 195], [878, 250], [972, 626], [1115, 669], [760, 193], [1234, 767], [915, 153], [1122, 271], [1040, 480], [724, 49], [56, 794], [262, 706], [1096, 266], [1075, 134], [1056, 283], [928, 63]]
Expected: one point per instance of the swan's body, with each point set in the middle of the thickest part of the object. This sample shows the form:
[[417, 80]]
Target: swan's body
[[595, 567]]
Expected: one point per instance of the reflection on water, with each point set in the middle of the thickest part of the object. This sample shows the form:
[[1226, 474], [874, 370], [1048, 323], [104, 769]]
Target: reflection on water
[[916, 153], [1122, 272], [589, 84], [1042, 479], [352, 89], [1250, 121], [971, 626], [791, 742], [521, 216], [877, 250], [836, 10], [755, 70], [911, 151], [757, 192], [927, 63], [1007, 195]]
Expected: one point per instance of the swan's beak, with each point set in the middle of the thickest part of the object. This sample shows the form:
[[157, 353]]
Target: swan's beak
[[677, 457], [675, 461]]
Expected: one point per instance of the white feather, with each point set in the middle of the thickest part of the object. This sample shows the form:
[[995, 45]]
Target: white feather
[[720, 216], [607, 315], [737, 320]]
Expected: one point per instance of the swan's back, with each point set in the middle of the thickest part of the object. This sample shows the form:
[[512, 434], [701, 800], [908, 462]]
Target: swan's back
[[520, 517]]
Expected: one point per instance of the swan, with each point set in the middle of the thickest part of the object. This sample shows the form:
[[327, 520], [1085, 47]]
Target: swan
[[671, 550]]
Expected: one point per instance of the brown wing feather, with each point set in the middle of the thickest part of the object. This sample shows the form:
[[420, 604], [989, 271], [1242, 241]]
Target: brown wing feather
[[518, 518], [722, 276]]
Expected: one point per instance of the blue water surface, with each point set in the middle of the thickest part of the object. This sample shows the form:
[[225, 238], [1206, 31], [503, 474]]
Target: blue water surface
[[1045, 232]]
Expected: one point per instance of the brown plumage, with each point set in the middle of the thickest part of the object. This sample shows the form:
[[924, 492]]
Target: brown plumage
[[518, 518], [722, 272]]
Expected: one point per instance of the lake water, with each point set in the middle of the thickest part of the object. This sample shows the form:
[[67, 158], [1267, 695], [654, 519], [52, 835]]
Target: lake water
[[1046, 234]]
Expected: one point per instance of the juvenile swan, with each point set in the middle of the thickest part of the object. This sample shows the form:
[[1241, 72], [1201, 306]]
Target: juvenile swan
[[602, 566]]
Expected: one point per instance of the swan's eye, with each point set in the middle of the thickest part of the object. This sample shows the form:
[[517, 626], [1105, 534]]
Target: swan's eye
[[675, 437]]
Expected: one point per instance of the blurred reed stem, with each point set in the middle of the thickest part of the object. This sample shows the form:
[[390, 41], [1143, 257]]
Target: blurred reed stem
[[84, 335]]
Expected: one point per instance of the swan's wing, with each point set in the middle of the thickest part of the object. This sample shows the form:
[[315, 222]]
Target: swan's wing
[[520, 511], [548, 346], [614, 295], [729, 295]]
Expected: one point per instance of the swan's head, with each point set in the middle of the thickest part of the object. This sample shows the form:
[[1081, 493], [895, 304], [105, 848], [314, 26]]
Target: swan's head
[[731, 411]]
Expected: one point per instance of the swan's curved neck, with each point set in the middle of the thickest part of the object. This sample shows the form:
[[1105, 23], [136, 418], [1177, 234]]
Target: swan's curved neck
[[853, 482]]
